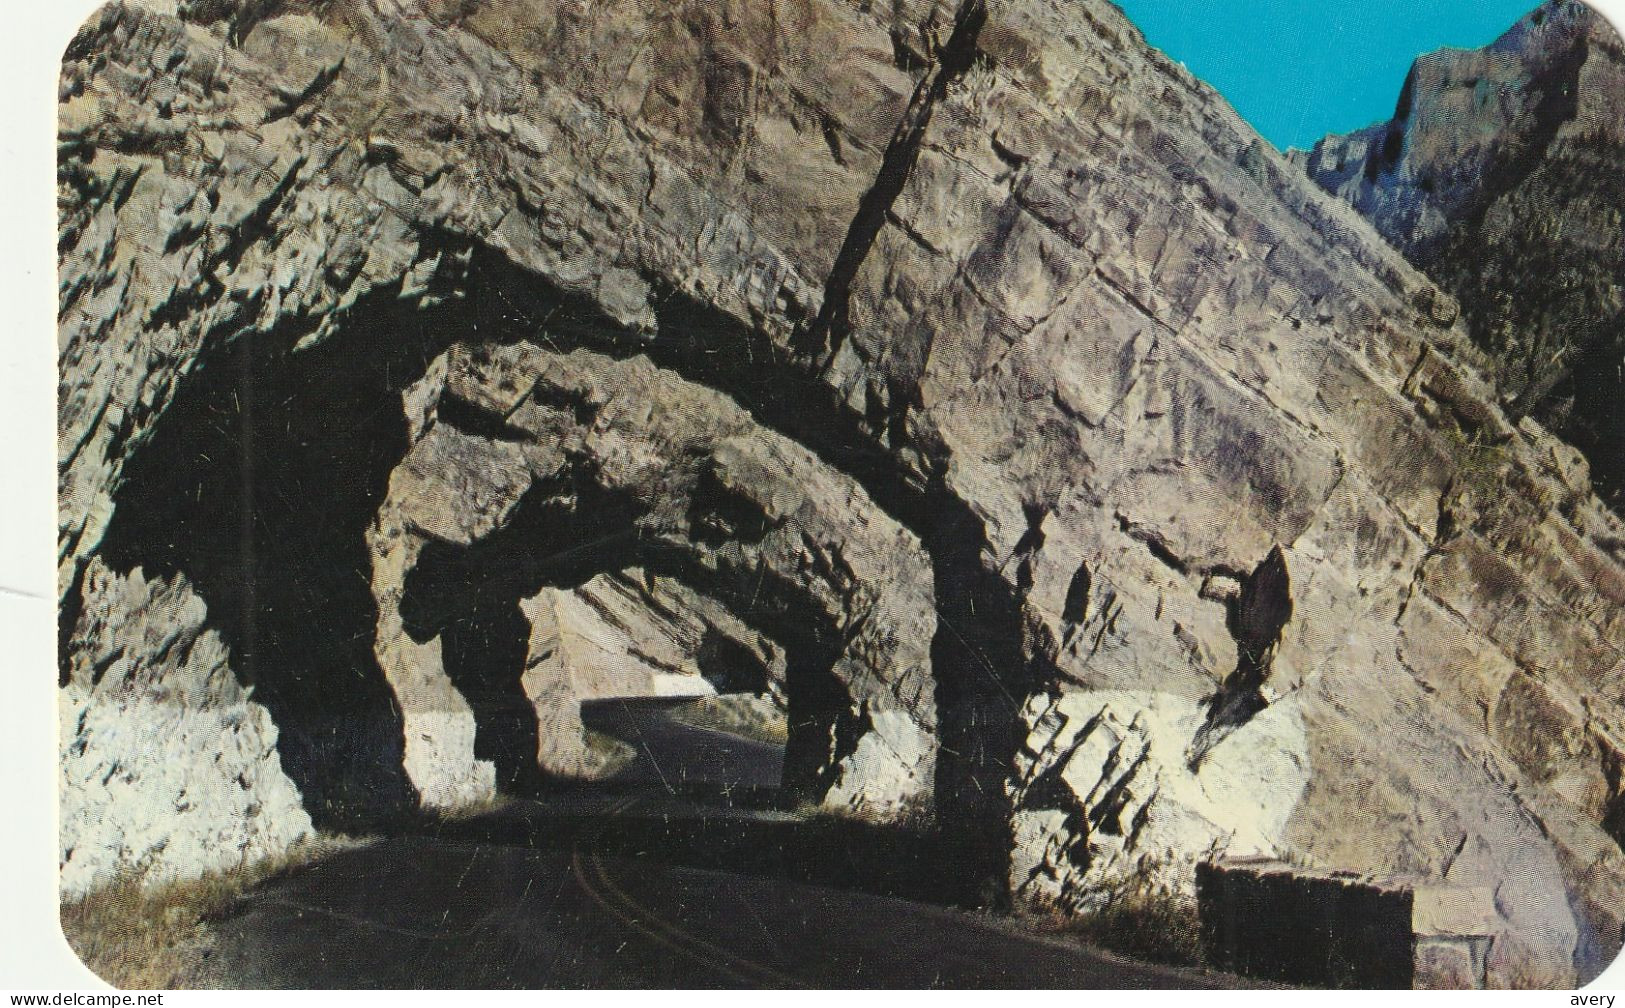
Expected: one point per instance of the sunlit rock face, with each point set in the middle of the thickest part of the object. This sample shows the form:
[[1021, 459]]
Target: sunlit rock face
[[1086, 476], [168, 765]]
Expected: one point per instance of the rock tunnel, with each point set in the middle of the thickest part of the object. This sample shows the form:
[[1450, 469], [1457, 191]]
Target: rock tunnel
[[605, 467], [394, 526], [982, 511]]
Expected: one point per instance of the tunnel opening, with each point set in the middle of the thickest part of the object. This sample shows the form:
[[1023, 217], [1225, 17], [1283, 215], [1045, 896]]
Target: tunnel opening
[[561, 535], [260, 480], [985, 659], [257, 484], [731, 667]]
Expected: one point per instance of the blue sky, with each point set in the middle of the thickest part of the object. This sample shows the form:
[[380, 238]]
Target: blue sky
[[1298, 69]]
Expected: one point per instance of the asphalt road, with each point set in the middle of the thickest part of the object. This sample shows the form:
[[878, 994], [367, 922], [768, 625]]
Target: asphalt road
[[639, 885], [677, 758]]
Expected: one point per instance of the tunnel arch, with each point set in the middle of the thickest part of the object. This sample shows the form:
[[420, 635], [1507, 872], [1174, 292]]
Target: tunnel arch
[[256, 484], [392, 355], [613, 464], [481, 601]]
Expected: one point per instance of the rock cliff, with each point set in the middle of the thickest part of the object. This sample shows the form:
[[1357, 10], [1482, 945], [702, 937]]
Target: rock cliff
[[1079, 471], [1499, 177]]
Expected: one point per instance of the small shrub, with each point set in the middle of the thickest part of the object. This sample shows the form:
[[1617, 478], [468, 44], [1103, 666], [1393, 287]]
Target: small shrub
[[1141, 918], [608, 754], [913, 815], [469, 810], [1480, 465]]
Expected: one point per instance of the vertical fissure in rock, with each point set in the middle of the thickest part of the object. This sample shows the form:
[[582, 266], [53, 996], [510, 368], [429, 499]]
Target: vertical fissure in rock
[[829, 327]]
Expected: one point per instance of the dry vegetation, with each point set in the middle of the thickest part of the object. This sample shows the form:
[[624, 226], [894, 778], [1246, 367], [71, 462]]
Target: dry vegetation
[[468, 810], [609, 755], [1141, 919], [158, 937]]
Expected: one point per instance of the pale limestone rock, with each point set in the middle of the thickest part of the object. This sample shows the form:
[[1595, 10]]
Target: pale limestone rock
[[1106, 793], [169, 768]]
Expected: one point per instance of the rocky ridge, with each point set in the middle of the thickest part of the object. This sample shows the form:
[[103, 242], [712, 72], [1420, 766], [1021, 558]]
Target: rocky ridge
[[1101, 484], [1499, 177]]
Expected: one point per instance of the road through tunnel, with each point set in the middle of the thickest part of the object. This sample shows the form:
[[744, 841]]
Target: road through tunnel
[[398, 529], [637, 501]]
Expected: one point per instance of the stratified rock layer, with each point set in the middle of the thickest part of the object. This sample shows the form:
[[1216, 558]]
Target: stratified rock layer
[[1105, 485]]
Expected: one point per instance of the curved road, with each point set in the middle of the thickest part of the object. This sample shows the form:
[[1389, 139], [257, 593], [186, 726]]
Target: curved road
[[637, 885]]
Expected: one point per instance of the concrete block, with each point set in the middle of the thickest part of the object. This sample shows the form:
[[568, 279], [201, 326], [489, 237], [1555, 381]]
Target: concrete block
[[1450, 963], [1454, 910], [1273, 920]]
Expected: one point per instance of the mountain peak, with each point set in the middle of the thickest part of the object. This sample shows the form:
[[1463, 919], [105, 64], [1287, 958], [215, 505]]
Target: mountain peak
[[1498, 176]]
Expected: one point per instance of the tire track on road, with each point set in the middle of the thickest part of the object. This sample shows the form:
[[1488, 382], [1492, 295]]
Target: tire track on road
[[593, 876]]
